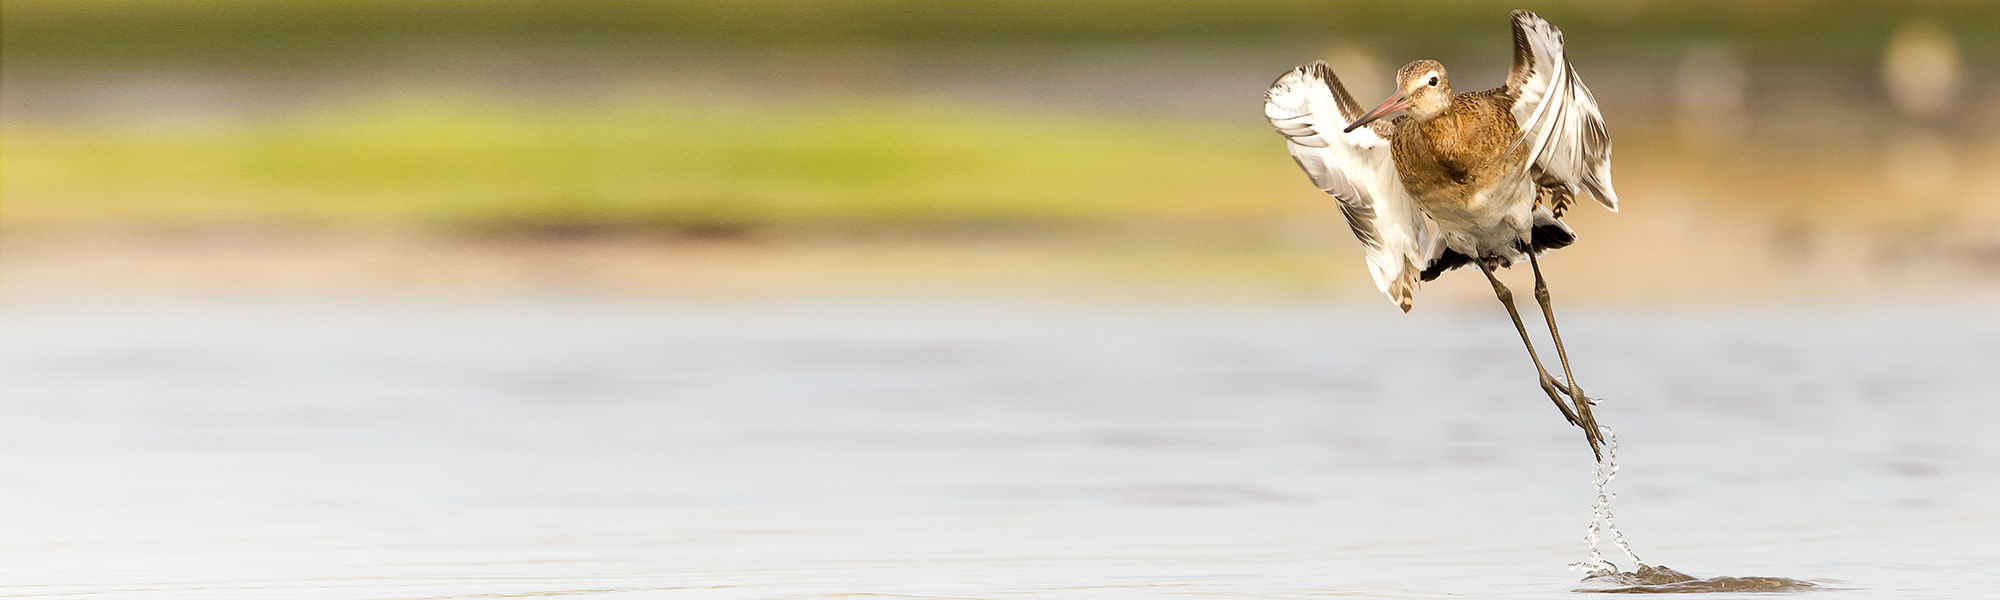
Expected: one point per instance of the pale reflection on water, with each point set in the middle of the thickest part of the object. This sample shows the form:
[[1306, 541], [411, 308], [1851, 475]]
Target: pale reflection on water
[[503, 448]]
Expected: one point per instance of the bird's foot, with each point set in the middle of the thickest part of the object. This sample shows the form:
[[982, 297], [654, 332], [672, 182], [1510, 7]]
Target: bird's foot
[[1588, 422], [1564, 387], [1580, 415], [1556, 393]]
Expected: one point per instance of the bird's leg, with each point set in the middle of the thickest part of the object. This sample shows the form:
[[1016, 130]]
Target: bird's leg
[[1583, 402], [1549, 386]]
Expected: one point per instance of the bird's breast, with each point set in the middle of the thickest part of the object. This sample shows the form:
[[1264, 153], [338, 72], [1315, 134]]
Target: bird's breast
[[1459, 163]]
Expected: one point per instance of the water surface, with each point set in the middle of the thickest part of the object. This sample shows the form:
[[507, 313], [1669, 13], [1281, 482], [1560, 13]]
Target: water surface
[[564, 446]]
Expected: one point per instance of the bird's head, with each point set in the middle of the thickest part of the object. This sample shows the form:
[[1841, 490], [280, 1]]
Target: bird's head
[[1421, 88]]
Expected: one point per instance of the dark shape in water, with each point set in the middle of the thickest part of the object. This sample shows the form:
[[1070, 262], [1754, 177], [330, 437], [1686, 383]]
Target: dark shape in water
[[1662, 580]]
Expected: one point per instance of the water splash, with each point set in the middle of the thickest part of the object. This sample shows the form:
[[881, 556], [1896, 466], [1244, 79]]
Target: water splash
[[1600, 514], [1604, 577], [1662, 580]]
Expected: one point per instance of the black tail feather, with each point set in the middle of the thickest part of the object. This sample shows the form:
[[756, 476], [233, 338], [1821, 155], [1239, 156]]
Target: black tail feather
[[1451, 259], [1546, 238], [1551, 237]]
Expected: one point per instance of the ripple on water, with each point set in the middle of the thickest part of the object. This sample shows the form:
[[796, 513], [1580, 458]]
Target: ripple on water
[[1662, 580]]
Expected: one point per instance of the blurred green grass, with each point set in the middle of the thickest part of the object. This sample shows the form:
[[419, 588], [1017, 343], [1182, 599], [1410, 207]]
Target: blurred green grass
[[237, 33], [466, 159], [452, 158]]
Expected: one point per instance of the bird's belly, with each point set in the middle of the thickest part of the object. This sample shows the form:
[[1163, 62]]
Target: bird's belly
[[1482, 223]]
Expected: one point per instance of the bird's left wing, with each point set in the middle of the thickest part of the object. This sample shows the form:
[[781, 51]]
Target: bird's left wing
[[1559, 120], [1309, 107]]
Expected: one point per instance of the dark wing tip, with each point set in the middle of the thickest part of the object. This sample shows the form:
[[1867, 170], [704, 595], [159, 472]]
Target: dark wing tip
[[1349, 109], [1524, 54], [1404, 290]]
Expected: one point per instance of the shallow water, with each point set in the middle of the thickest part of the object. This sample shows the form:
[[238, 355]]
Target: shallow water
[[1648, 579], [504, 448]]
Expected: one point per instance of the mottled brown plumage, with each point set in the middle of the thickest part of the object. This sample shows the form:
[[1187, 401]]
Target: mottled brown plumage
[[1451, 151], [1447, 155], [1450, 157]]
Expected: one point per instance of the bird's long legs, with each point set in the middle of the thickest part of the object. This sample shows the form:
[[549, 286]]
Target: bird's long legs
[[1589, 422], [1549, 386]]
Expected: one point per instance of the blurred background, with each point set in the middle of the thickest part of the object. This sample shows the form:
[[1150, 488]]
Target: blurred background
[[799, 298], [1796, 148]]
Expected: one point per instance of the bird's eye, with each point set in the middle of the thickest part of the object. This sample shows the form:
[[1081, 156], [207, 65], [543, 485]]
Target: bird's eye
[[1434, 82]]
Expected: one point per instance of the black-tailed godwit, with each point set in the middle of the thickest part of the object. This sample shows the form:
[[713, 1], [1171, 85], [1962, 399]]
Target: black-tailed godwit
[[1479, 178]]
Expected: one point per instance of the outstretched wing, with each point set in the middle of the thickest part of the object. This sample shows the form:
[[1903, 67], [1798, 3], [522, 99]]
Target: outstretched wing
[[1309, 107], [1558, 117]]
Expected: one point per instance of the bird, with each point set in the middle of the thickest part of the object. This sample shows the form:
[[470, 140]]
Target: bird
[[1476, 179]]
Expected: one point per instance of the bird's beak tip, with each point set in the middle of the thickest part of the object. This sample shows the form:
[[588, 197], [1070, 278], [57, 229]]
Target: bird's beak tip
[[1396, 102]]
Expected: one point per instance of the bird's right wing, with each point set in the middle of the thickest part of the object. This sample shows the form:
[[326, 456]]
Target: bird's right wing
[[1309, 107], [1558, 116]]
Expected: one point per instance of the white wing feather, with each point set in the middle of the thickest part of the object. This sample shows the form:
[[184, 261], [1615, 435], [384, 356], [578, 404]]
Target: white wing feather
[[1558, 116], [1309, 107]]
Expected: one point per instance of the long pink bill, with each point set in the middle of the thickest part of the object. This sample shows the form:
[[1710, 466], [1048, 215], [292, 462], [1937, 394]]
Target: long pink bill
[[1396, 102]]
